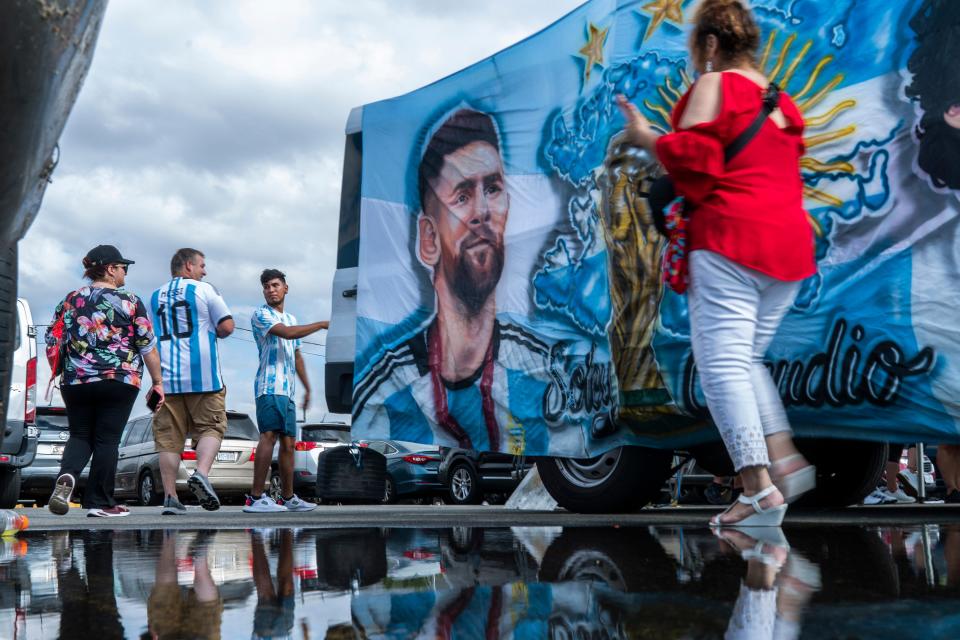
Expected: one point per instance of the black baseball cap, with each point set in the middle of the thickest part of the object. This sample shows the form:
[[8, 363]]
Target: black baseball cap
[[105, 254]]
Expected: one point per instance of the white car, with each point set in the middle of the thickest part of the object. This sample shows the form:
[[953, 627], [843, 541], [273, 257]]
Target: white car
[[314, 439]]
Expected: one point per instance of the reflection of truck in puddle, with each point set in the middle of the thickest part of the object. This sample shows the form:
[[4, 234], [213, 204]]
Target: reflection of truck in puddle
[[865, 356]]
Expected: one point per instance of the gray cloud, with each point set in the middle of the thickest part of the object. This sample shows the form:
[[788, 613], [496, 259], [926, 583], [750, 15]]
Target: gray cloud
[[220, 126]]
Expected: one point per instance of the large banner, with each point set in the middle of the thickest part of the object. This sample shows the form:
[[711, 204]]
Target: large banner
[[509, 285]]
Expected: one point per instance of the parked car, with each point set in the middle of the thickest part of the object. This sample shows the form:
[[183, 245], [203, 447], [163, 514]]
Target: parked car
[[412, 469], [313, 440], [468, 475], [138, 468], [39, 477], [18, 444]]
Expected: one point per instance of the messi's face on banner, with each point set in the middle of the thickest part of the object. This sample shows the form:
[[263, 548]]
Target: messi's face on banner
[[462, 229]]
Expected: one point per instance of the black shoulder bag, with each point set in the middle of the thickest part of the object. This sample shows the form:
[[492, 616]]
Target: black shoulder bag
[[662, 192]]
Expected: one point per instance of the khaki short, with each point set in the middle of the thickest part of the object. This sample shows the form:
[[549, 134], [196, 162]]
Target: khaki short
[[197, 415], [175, 612]]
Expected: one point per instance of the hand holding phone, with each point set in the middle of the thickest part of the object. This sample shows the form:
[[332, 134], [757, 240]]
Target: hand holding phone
[[154, 398]]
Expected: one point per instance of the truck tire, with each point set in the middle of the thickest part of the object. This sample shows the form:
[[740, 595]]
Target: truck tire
[[619, 481], [9, 487], [847, 470], [8, 321]]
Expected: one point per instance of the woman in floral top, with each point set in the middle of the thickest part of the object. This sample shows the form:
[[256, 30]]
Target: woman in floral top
[[103, 336]]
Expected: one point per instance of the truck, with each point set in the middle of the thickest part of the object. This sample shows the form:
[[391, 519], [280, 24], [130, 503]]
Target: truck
[[47, 50], [498, 282]]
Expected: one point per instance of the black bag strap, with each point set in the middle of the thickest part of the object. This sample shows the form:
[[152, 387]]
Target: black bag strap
[[771, 100]]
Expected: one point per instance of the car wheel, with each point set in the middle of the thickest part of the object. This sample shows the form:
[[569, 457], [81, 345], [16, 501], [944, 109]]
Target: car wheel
[[276, 486], [847, 470], [146, 490], [621, 480], [389, 491], [464, 484], [9, 488]]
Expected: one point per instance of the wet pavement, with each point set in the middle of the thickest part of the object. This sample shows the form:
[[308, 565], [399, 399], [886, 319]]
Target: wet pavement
[[653, 581]]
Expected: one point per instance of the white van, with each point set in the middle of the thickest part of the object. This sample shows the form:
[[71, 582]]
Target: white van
[[19, 443]]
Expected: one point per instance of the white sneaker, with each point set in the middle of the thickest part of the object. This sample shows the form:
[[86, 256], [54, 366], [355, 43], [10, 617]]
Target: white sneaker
[[909, 482], [263, 504], [900, 496], [296, 504], [878, 496]]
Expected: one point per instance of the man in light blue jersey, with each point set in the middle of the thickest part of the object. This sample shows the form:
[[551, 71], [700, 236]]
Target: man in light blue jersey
[[278, 341], [189, 316]]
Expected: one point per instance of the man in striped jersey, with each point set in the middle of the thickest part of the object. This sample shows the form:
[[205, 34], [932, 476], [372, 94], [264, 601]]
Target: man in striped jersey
[[189, 316], [278, 342], [469, 379]]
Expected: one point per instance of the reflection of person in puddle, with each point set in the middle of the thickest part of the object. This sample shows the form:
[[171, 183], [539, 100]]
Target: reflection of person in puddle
[[88, 604], [777, 586], [274, 615], [177, 612]]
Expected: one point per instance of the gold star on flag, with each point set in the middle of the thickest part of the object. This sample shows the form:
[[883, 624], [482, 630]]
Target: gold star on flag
[[661, 10], [593, 50]]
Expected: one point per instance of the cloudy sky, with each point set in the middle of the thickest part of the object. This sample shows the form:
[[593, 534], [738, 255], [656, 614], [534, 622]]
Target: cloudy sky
[[219, 125]]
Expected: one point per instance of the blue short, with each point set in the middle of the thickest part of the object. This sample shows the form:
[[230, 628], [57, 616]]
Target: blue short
[[277, 413]]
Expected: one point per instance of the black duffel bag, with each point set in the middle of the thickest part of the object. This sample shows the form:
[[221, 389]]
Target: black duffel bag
[[351, 474]]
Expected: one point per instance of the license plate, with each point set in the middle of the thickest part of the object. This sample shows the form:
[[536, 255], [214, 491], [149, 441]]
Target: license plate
[[56, 449], [227, 456]]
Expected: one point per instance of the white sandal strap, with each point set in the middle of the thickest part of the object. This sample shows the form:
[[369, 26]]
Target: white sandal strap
[[754, 500]]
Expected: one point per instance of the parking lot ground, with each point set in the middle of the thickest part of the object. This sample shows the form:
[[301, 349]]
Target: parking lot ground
[[329, 516]]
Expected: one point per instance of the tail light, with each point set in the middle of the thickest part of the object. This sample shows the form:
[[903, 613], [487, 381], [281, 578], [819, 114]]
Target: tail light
[[188, 454], [305, 446], [416, 458], [253, 455], [30, 397]]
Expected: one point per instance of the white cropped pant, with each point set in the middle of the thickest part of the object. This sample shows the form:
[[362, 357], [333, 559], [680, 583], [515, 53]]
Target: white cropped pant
[[734, 314]]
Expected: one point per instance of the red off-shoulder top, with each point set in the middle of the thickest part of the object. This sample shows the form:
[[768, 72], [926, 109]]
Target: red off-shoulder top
[[750, 210]]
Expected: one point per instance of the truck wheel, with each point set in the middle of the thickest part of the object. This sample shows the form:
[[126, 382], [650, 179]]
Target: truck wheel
[[619, 481], [9, 488], [847, 470], [464, 484]]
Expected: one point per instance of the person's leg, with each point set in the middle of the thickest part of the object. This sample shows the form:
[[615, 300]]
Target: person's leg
[[893, 466], [789, 470], [115, 401], [81, 417], [208, 415], [262, 460], [169, 434], [723, 302], [287, 443], [948, 461]]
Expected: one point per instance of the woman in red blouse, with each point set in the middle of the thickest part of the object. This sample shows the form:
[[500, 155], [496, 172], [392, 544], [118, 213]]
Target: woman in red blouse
[[750, 246]]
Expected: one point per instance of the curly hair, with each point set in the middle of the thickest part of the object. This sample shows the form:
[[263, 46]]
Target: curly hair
[[732, 23], [936, 86]]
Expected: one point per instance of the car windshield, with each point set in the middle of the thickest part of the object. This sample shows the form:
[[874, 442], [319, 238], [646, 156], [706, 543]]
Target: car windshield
[[51, 421], [241, 427], [325, 434]]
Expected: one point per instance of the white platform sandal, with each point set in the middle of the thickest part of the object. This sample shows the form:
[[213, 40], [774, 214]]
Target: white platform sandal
[[760, 517], [796, 483]]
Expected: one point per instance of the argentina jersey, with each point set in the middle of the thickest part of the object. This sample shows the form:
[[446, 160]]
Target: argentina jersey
[[276, 374], [185, 314]]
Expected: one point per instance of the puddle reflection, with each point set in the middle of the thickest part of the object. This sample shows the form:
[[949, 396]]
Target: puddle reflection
[[482, 583]]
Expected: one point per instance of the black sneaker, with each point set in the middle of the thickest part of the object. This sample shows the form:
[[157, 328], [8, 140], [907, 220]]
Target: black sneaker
[[953, 497], [172, 507], [200, 485], [59, 503]]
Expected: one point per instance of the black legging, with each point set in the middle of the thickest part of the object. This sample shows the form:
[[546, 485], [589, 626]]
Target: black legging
[[97, 413]]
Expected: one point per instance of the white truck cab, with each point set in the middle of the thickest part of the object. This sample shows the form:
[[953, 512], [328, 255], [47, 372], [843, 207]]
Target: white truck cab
[[19, 443]]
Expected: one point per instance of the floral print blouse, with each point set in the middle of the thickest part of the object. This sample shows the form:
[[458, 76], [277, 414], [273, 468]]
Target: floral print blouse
[[107, 332]]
